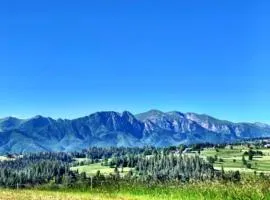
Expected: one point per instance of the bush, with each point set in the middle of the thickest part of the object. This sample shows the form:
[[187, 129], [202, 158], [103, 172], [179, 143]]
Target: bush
[[210, 159]]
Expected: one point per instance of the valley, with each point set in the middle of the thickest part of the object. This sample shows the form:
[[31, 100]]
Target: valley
[[235, 171]]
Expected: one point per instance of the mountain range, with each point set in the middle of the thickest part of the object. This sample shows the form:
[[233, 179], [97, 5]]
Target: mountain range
[[107, 129]]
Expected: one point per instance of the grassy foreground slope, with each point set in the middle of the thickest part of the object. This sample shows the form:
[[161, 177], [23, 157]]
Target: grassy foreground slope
[[198, 191]]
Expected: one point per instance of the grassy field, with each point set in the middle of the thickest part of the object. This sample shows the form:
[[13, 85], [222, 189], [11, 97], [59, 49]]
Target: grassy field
[[3, 158], [92, 169], [232, 159], [198, 191]]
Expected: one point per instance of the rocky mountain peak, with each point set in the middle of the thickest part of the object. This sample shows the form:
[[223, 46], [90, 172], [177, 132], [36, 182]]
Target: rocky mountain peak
[[109, 128]]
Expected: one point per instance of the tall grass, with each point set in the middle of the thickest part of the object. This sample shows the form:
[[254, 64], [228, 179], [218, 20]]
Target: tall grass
[[247, 190]]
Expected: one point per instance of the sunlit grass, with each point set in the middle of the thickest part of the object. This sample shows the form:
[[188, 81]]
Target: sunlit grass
[[232, 159], [92, 169], [198, 191]]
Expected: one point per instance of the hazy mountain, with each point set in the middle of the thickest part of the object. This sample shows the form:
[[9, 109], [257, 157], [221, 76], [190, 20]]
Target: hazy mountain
[[121, 129]]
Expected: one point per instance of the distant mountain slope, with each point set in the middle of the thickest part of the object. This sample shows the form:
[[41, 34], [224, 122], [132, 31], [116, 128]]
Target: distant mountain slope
[[106, 129]]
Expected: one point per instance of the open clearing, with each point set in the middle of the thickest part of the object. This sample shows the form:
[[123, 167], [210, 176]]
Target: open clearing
[[3, 158], [231, 159], [91, 169]]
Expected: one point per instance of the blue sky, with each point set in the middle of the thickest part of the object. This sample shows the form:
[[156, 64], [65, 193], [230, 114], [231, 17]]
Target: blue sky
[[71, 58]]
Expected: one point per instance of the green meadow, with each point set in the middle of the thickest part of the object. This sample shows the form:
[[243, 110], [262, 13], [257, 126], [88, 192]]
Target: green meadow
[[91, 169], [231, 159]]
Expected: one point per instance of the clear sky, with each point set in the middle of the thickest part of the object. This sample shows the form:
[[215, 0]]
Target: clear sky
[[67, 59]]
